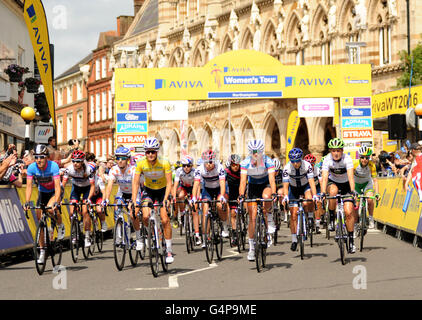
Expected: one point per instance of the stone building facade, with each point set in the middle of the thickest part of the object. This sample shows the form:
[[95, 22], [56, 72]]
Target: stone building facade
[[191, 32]]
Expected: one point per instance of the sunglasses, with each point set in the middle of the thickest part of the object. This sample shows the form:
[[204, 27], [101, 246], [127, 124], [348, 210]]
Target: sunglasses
[[187, 165], [336, 150], [209, 162], [77, 161], [150, 152], [363, 157], [295, 161], [122, 158], [40, 157]]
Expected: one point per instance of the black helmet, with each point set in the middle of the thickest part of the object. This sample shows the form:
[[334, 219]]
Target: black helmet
[[41, 149]]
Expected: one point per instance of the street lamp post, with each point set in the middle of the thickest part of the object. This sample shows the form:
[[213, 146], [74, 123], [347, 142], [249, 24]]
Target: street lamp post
[[27, 114]]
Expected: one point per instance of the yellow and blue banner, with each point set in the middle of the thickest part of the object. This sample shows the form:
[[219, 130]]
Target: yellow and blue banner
[[242, 74], [36, 23]]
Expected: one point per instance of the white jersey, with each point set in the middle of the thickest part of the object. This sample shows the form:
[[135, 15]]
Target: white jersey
[[337, 170], [317, 175], [298, 177], [185, 179], [211, 178], [81, 178], [123, 179]]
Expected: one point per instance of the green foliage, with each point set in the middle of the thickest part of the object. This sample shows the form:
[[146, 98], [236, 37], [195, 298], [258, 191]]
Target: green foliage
[[404, 79]]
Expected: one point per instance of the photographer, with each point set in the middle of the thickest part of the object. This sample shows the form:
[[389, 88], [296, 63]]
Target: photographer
[[7, 160], [10, 167], [385, 164]]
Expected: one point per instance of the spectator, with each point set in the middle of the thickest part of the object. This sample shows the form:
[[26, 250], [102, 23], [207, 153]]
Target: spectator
[[385, 165], [52, 143]]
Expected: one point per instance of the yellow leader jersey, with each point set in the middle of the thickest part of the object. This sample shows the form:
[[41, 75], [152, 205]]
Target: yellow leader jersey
[[155, 175]]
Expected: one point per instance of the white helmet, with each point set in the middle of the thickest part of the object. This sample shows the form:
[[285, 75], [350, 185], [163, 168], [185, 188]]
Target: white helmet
[[256, 145], [187, 160], [151, 144], [277, 164]]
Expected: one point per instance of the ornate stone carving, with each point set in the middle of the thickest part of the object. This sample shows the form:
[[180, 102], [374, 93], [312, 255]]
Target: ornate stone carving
[[281, 17], [392, 9], [361, 14], [256, 22], [210, 35], [234, 27], [304, 25], [187, 46], [332, 22], [149, 56], [160, 50]]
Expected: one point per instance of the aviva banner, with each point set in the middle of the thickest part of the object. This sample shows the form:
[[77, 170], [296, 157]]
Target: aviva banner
[[292, 127], [242, 74], [36, 23]]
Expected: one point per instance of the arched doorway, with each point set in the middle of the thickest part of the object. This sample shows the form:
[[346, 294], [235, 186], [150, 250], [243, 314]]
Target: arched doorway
[[302, 138], [248, 133]]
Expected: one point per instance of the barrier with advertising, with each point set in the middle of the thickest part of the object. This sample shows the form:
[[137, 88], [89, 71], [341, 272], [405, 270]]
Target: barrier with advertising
[[356, 123], [14, 230], [236, 75], [389, 210]]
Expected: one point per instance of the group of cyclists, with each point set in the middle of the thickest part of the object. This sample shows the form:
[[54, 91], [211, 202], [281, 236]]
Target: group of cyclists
[[149, 179]]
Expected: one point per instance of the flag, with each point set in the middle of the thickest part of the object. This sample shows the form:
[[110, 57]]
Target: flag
[[292, 127], [36, 23]]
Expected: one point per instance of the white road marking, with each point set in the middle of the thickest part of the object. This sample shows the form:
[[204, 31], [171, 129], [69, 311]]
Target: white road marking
[[174, 284]]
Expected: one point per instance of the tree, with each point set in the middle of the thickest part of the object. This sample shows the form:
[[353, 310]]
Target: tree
[[404, 79]]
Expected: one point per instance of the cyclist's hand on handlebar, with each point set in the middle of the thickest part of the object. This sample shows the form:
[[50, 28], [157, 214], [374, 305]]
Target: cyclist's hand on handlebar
[[26, 206], [105, 202], [192, 201], [222, 199], [377, 197], [316, 198], [275, 197], [354, 194], [285, 200], [56, 206]]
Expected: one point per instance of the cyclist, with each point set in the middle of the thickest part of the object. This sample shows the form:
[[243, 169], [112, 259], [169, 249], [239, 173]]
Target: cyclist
[[214, 186], [317, 177], [83, 184], [233, 183], [258, 170], [365, 174], [123, 174], [279, 182], [338, 178], [157, 187], [46, 175], [183, 184], [298, 180]]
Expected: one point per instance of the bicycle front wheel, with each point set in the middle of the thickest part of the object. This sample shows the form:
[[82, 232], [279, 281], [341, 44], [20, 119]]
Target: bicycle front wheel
[[163, 250], [40, 234], [300, 236], [218, 239], [209, 238], [144, 236], [153, 249], [341, 243], [119, 247], [188, 235], [239, 229], [362, 226], [56, 249], [99, 236], [260, 243], [74, 239]]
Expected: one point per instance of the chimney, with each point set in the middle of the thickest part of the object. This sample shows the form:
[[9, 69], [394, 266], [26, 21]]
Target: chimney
[[123, 24], [137, 4]]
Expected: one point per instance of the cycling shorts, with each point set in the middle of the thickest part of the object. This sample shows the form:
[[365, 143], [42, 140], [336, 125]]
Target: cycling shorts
[[343, 189], [255, 190], [77, 192], [363, 188], [187, 190], [210, 193], [153, 195], [296, 193]]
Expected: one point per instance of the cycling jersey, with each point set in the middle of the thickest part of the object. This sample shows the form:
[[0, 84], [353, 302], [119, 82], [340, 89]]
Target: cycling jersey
[[154, 175], [257, 173], [185, 179], [364, 174], [298, 177], [123, 179], [211, 178], [279, 179], [317, 175], [232, 178], [82, 178], [44, 178], [337, 169]]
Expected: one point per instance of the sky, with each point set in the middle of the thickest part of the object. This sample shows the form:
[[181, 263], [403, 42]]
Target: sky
[[74, 27]]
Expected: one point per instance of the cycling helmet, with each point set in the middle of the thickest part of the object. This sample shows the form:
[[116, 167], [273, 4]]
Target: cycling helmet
[[336, 143], [122, 152], [256, 145], [310, 158], [41, 149], [78, 155], [365, 151], [228, 163], [277, 164], [208, 155], [234, 158], [187, 160], [151, 144], [295, 154]]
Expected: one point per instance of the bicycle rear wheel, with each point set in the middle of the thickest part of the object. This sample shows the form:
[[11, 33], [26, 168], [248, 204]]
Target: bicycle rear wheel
[[311, 231], [163, 250], [209, 238], [362, 226], [327, 224], [218, 239], [119, 246], [40, 234], [74, 238]]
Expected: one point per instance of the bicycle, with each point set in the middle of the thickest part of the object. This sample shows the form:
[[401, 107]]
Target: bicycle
[[156, 241], [52, 246], [241, 230], [97, 236], [362, 226], [188, 225], [303, 226], [123, 240], [77, 237], [341, 236], [213, 231], [261, 234]]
